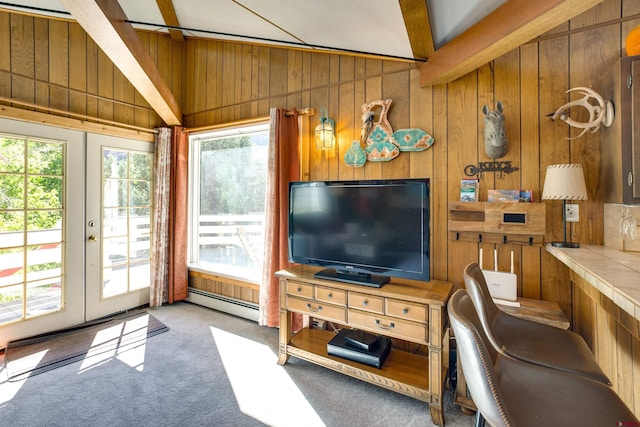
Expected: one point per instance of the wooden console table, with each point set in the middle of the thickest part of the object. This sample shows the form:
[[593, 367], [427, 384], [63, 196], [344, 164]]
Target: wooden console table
[[405, 309]]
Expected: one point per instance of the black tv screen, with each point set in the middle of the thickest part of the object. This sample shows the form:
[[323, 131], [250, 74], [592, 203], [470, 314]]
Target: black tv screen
[[362, 231]]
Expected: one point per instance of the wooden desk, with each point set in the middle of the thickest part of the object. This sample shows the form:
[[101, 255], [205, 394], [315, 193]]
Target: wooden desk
[[405, 309], [546, 312]]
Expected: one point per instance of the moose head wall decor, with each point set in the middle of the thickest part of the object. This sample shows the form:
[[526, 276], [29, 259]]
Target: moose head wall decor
[[495, 136]]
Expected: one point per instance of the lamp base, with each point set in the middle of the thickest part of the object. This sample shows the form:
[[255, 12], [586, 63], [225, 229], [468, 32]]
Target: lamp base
[[565, 244]]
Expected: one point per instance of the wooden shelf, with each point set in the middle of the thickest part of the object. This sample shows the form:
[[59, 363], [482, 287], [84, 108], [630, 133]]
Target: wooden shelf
[[398, 373], [497, 222], [547, 312]]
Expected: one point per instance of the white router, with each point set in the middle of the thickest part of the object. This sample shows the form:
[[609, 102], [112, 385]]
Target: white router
[[503, 286]]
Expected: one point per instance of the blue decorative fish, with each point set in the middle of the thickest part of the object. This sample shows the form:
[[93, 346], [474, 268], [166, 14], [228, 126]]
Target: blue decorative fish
[[412, 139]]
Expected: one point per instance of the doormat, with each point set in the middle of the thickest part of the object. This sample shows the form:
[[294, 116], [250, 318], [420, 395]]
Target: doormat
[[42, 353]]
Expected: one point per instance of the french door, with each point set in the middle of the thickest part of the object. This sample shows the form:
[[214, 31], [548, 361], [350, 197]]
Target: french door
[[42, 172], [118, 227], [75, 227]]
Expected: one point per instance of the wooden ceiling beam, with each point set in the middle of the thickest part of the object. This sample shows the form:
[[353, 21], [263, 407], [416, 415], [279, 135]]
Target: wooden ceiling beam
[[418, 25], [105, 22], [170, 18], [513, 24]]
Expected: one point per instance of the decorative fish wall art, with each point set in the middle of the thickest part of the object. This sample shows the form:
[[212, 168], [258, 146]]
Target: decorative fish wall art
[[378, 142]]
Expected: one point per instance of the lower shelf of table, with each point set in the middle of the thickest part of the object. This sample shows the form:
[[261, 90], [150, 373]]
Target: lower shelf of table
[[402, 372]]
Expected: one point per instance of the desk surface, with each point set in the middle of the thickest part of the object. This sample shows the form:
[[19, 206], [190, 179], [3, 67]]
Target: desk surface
[[546, 312], [614, 273]]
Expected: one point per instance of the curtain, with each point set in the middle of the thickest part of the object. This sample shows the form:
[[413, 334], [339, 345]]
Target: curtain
[[169, 275], [160, 236], [283, 166]]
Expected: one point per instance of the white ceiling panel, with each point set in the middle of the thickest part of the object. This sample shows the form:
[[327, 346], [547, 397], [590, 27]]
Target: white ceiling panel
[[375, 27], [226, 17], [144, 11], [357, 25], [451, 18], [38, 7], [366, 26]]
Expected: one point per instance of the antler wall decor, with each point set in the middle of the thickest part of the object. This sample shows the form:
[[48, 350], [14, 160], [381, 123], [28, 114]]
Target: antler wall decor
[[600, 114]]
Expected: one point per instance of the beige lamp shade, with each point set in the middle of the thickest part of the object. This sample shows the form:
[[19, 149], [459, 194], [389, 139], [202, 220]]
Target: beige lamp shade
[[564, 182]]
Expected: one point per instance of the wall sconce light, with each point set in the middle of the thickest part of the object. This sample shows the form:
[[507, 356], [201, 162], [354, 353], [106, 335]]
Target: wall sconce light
[[325, 133], [564, 182]]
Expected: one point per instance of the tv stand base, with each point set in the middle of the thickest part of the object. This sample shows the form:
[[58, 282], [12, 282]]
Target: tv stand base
[[371, 280], [404, 309]]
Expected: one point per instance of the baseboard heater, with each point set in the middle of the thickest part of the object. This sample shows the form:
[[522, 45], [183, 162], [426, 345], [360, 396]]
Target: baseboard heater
[[228, 305]]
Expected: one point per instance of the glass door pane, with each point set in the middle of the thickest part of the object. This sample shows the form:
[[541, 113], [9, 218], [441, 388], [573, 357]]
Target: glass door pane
[[119, 213], [32, 221], [126, 199]]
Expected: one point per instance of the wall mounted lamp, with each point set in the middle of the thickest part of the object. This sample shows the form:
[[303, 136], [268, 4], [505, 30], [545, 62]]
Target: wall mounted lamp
[[325, 133], [564, 182]]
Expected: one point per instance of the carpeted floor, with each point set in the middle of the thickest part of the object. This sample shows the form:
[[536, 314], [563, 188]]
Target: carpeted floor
[[208, 369], [32, 356]]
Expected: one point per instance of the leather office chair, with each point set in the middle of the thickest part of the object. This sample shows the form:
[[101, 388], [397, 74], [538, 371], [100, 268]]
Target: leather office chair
[[509, 392], [527, 340]]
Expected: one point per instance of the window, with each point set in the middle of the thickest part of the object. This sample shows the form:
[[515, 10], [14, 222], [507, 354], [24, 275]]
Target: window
[[126, 217], [227, 188], [31, 227]]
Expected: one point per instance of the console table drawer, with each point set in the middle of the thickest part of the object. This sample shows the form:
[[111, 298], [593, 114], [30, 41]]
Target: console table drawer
[[299, 289], [403, 329], [333, 296], [366, 302], [317, 309], [407, 310]]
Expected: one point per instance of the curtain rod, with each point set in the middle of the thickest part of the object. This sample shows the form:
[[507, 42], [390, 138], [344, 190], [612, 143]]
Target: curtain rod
[[245, 122]]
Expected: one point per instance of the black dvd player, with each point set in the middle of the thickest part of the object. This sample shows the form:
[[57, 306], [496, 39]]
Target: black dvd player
[[338, 346]]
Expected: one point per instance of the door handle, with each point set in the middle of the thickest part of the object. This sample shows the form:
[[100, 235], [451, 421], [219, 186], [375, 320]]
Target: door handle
[[93, 238]]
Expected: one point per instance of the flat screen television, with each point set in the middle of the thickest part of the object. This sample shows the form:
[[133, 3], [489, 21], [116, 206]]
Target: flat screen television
[[362, 232]]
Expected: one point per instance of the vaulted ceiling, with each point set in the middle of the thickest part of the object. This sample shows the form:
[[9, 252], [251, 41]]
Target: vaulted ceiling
[[445, 39]]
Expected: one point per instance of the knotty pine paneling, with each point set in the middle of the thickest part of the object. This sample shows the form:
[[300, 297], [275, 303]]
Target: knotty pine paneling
[[41, 64], [225, 287], [54, 64], [602, 43], [613, 337], [78, 78], [5, 41], [530, 82], [22, 68]]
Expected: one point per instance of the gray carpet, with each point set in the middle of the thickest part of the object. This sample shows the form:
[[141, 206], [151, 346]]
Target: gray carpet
[[209, 369], [35, 355]]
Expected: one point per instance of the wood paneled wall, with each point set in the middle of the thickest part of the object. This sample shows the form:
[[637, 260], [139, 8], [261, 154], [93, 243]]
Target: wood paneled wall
[[225, 286], [54, 64], [227, 82]]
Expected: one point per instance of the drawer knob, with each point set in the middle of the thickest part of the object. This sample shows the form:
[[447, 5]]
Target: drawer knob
[[405, 310], [315, 310], [391, 325], [299, 289], [330, 296], [365, 303]]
